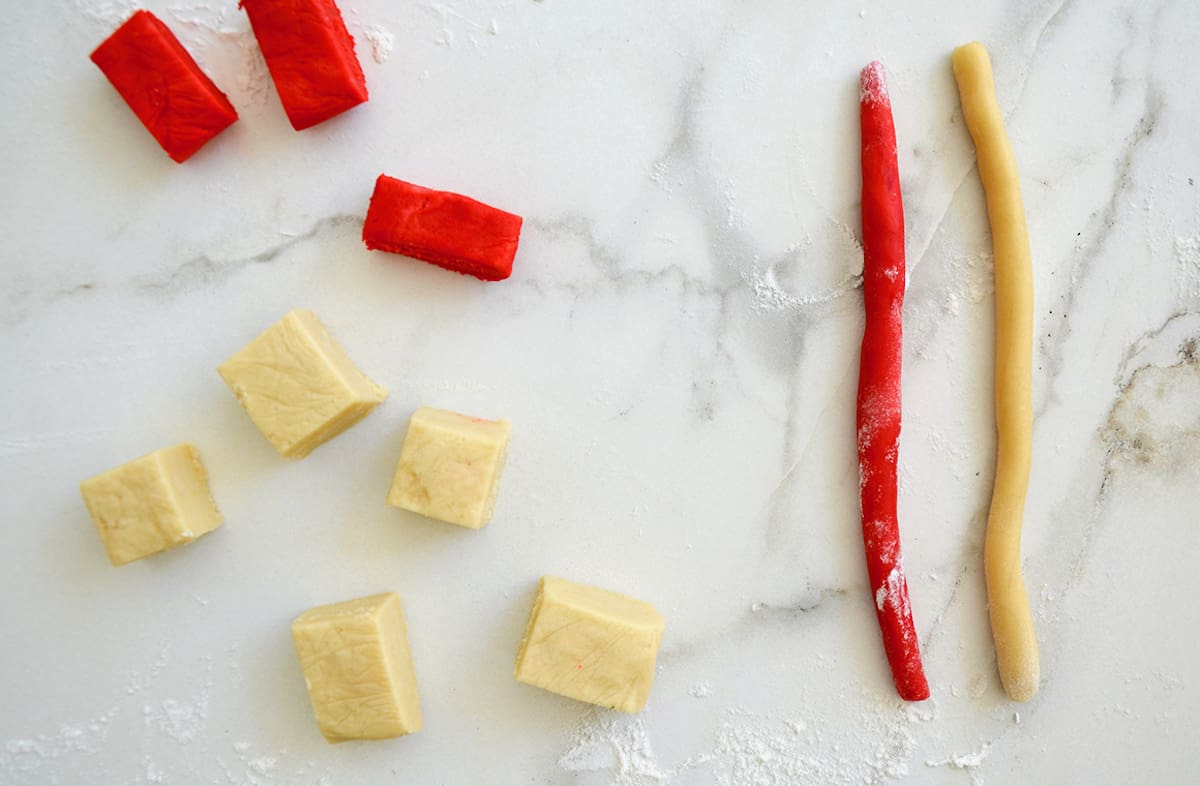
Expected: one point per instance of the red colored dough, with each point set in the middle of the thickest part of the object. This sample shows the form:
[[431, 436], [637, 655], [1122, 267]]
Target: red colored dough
[[879, 383], [449, 230], [310, 56], [163, 86]]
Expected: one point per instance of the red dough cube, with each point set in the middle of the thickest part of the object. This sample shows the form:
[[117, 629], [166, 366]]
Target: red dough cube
[[163, 86], [310, 56], [449, 230]]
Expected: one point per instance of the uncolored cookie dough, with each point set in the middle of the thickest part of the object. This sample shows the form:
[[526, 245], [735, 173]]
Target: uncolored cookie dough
[[1008, 602], [359, 669], [450, 467], [298, 385], [151, 504], [590, 644]]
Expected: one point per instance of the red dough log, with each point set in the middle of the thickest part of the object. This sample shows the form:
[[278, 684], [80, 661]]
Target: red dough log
[[310, 56], [449, 230], [163, 86], [879, 382]]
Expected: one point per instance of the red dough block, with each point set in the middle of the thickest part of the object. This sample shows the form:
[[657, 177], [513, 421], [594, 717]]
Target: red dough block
[[310, 56], [449, 230], [163, 86]]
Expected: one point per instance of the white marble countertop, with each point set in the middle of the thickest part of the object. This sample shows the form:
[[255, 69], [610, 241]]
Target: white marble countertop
[[677, 352]]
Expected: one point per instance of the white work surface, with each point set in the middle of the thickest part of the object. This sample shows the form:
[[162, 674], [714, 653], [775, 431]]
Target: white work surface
[[677, 351]]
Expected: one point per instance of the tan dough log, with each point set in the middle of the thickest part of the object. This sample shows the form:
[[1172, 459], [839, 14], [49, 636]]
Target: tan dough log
[[1008, 603]]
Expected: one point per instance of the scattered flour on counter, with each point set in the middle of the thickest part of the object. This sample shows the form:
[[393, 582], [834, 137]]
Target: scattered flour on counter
[[23, 758], [961, 761], [203, 25], [735, 217], [142, 723], [1187, 251], [964, 761], [153, 773], [971, 279], [263, 769], [759, 751], [381, 40], [658, 175], [139, 678], [701, 690], [751, 749], [769, 295], [181, 721], [110, 12], [263, 765], [620, 746]]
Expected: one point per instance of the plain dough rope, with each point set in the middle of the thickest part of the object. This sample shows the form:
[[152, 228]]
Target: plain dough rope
[[1008, 604]]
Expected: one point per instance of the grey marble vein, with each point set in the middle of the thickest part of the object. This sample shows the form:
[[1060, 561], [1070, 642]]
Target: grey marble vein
[[20, 305], [969, 563], [1099, 232], [617, 275], [206, 271], [1114, 449], [1119, 443], [199, 272], [758, 615]]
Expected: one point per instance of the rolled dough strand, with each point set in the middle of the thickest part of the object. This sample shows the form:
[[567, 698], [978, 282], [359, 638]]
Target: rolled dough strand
[[1008, 604], [879, 382]]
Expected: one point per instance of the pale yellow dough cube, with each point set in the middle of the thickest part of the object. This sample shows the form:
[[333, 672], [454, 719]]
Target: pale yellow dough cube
[[450, 467], [298, 385], [151, 504], [359, 669], [590, 644]]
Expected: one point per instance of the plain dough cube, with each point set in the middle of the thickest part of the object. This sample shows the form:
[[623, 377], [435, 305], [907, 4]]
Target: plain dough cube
[[298, 385], [590, 644], [450, 467], [359, 668], [151, 504]]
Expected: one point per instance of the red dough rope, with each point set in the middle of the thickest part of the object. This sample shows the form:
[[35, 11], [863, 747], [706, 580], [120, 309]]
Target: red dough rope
[[879, 382]]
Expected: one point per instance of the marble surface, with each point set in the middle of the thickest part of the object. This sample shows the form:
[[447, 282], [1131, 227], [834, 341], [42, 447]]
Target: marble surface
[[677, 352]]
